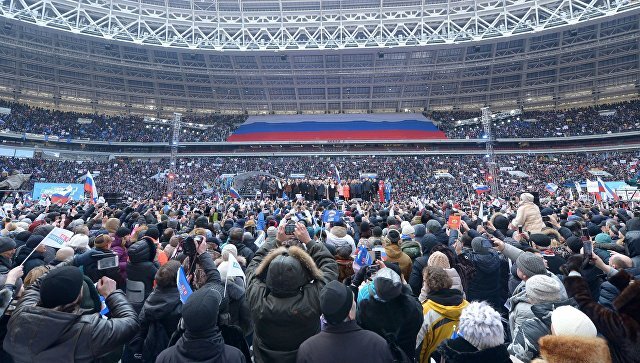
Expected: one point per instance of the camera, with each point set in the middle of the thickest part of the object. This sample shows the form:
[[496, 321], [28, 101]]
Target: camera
[[290, 228]]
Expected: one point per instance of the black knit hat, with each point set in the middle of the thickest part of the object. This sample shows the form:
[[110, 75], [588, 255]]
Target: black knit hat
[[6, 244], [60, 287], [122, 232], [336, 300], [34, 241], [200, 312], [393, 235]]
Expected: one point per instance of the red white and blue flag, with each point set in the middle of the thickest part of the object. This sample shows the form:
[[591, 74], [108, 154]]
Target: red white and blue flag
[[551, 188], [481, 188], [90, 187], [383, 126], [234, 193], [606, 192]]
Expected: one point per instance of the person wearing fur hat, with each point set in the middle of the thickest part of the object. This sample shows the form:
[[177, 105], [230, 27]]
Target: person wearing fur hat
[[573, 339], [281, 280], [620, 326], [528, 215], [337, 341], [395, 254], [387, 307], [338, 237], [480, 337], [48, 324], [441, 312]]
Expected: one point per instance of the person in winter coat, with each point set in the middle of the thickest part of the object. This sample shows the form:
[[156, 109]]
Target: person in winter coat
[[440, 260], [119, 246], [337, 342], [441, 312], [573, 339], [395, 254], [102, 244], [632, 240], [236, 236], [239, 313], [37, 257], [48, 325], [408, 244], [159, 316], [544, 294], [202, 340], [387, 307], [7, 250], [141, 267], [528, 215], [608, 292], [485, 285], [480, 338], [620, 326], [284, 280]]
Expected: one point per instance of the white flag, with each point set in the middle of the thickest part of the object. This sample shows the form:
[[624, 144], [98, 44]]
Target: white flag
[[233, 269]]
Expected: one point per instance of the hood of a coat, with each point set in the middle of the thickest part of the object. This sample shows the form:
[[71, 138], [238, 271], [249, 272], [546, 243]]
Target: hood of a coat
[[543, 311], [447, 296], [142, 251], [162, 302], [460, 351], [40, 328]]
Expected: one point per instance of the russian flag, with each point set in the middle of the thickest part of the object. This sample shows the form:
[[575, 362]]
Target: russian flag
[[90, 187], [607, 192], [339, 127], [481, 188], [551, 188], [234, 193]]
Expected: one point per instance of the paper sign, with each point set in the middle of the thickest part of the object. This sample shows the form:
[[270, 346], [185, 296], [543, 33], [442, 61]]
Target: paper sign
[[57, 237], [454, 222]]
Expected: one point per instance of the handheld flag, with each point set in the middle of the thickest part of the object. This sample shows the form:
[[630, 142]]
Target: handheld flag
[[481, 211], [481, 188], [608, 193], [579, 189], [363, 258], [57, 237], [234, 193], [184, 289], [233, 269], [337, 174], [90, 187], [551, 188], [331, 216], [592, 186]]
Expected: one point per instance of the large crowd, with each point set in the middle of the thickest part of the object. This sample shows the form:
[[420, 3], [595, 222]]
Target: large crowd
[[382, 278], [595, 120], [65, 125], [432, 177], [612, 118]]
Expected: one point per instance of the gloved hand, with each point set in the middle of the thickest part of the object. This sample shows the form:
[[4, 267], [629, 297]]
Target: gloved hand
[[359, 277], [85, 258]]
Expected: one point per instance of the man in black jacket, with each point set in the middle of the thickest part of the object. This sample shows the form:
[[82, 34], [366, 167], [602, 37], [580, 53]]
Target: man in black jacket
[[47, 325], [201, 341], [342, 340], [236, 237]]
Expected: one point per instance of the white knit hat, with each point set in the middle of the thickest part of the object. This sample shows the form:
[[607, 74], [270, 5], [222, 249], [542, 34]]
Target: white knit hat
[[229, 249], [567, 320], [481, 326], [78, 241], [408, 230]]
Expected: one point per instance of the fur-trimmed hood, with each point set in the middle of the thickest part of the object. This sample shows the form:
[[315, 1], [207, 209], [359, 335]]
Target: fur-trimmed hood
[[286, 270], [571, 349]]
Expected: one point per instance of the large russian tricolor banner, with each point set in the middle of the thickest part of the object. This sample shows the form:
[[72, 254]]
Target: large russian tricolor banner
[[357, 127]]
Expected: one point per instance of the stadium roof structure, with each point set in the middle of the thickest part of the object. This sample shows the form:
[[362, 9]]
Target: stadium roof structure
[[263, 56]]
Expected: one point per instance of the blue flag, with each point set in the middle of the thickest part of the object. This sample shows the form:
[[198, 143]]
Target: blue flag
[[363, 258], [184, 289], [331, 216], [285, 196], [103, 306]]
